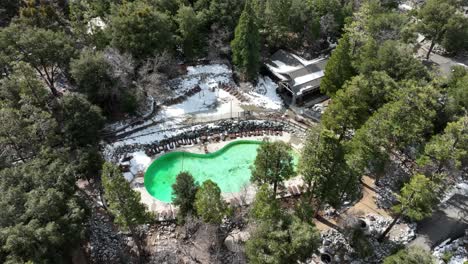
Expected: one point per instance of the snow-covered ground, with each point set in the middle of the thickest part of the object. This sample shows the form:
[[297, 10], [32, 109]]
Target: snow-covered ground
[[405, 7], [264, 95], [209, 104], [138, 164]]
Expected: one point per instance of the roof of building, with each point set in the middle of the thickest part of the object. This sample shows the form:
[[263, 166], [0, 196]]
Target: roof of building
[[302, 74]]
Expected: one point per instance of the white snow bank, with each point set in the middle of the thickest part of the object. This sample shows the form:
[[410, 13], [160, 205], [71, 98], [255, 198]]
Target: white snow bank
[[213, 69], [94, 24], [309, 77], [128, 176], [210, 103], [306, 62], [281, 67], [138, 164], [405, 7], [264, 94], [460, 188]]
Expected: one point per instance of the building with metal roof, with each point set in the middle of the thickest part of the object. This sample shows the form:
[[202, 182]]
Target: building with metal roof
[[295, 74]]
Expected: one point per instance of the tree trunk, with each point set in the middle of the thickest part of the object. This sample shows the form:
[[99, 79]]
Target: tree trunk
[[275, 186], [137, 243], [430, 49], [343, 192], [384, 234], [317, 210], [17, 149], [311, 192]]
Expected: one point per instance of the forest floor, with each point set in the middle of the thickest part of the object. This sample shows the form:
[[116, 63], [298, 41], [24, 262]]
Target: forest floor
[[444, 63], [366, 205], [365, 208]]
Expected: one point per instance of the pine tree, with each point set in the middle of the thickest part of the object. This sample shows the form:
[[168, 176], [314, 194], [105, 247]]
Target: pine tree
[[411, 255], [190, 35], [265, 206], [282, 241], [357, 101], [417, 199], [183, 191], [209, 203], [324, 169], [246, 44], [339, 68], [273, 164], [434, 21], [123, 202], [448, 149]]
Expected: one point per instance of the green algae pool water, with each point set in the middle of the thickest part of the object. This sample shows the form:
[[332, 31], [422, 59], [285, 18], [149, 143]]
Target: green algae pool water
[[229, 167]]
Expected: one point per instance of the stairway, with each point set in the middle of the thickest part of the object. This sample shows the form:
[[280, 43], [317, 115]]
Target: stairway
[[234, 92]]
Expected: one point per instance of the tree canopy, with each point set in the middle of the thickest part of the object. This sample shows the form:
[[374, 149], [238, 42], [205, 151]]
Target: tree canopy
[[339, 68], [411, 255], [273, 164], [123, 202], [327, 176], [209, 204], [439, 21], [42, 218], [183, 192], [130, 21], [246, 43], [48, 52]]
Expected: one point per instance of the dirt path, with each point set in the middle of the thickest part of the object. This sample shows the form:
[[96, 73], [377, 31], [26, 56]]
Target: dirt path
[[365, 206], [367, 203]]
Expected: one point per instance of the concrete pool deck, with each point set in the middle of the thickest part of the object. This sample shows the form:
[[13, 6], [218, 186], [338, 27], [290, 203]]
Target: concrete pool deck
[[246, 195]]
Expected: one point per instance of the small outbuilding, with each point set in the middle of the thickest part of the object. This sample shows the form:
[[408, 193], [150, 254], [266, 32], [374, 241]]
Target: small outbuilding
[[296, 75]]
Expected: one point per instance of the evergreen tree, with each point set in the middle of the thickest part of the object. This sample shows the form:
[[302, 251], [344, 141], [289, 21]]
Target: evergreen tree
[[81, 121], [42, 216], [265, 206], [276, 24], [324, 169], [246, 44], [416, 201], [92, 74], [209, 203], [434, 18], [28, 122], [284, 241], [48, 52], [448, 150], [8, 9], [123, 202], [457, 93], [410, 255], [395, 127], [339, 68], [190, 35], [43, 14], [183, 191], [130, 23], [397, 60], [455, 39], [273, 164], [357, 101]]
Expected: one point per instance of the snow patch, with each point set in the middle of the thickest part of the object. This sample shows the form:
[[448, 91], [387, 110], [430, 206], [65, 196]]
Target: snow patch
[[306, 62], [140, 162], [212, 69], [264, 94], [309, 77], [94, 24], [405, 7], [282, 67]]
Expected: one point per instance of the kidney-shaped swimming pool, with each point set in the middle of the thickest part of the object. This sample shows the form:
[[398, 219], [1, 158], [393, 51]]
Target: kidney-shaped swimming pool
[[229, 167]]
